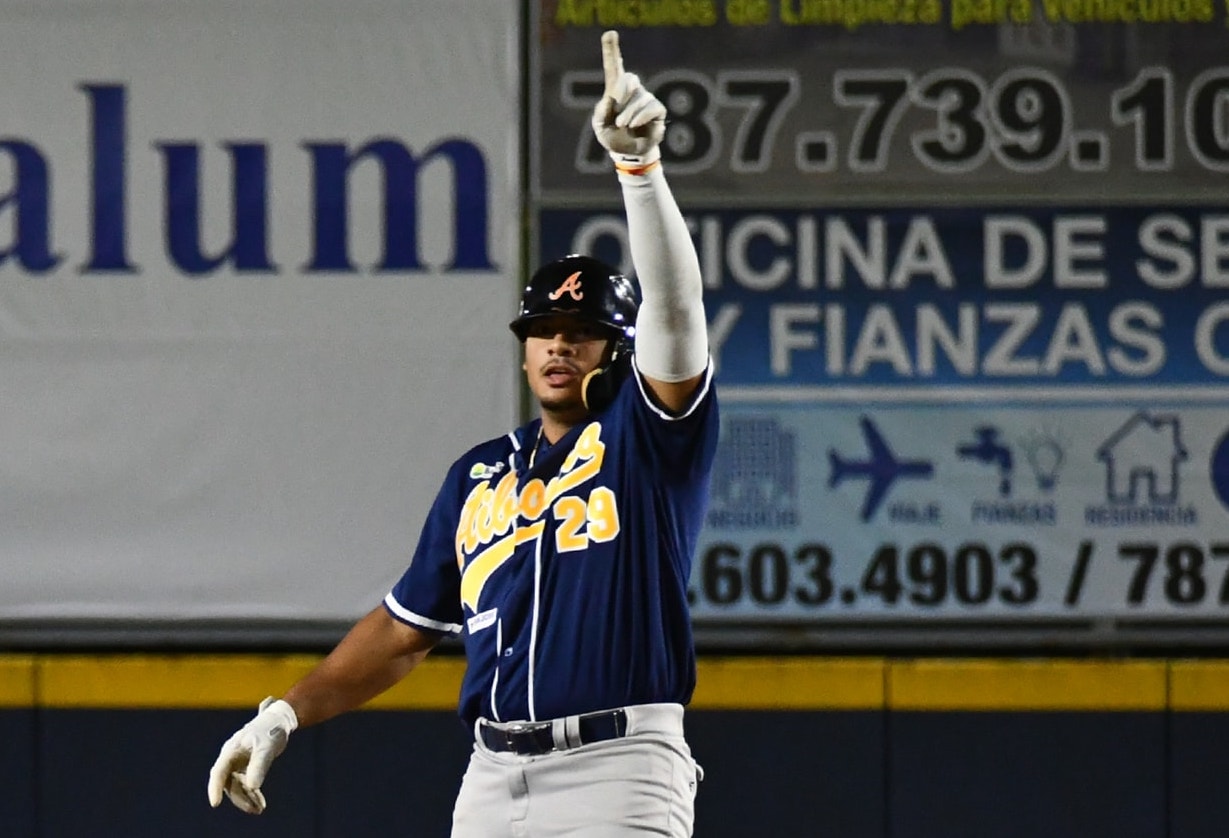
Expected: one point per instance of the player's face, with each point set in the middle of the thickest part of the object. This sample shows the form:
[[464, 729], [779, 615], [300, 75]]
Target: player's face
[[559, 353]]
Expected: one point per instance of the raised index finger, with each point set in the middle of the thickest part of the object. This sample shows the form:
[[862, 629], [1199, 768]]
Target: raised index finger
[[612, 60]]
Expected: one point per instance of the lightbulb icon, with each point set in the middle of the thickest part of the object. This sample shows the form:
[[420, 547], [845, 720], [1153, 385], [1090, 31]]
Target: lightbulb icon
[[1045, 456]]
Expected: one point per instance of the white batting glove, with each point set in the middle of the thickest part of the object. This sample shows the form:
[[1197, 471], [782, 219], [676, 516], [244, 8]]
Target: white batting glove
[[240, 768], [629, 121]]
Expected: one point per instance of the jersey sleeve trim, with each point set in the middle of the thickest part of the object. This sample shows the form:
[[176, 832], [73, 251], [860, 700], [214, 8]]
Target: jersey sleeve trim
[[696, 399], [407, 616]]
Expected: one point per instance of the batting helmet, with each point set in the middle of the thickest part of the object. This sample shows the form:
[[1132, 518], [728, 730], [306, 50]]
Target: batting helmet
[[582, 287]]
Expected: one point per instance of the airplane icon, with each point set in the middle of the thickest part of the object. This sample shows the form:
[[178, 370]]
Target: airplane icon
[[882, 469]]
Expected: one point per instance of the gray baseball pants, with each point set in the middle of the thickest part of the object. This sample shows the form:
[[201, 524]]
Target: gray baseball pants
[[641, 784]]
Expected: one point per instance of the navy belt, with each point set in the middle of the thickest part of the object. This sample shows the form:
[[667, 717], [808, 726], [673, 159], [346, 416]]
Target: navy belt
[[536, 738]]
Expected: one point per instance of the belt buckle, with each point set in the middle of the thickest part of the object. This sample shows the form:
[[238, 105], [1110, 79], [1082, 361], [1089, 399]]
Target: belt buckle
[[516, 735]]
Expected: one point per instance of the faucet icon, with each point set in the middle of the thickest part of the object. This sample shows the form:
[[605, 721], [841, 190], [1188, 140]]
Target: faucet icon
[[988, 450]]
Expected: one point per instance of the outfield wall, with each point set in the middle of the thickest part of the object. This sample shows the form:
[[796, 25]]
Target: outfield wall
[[851, 747]]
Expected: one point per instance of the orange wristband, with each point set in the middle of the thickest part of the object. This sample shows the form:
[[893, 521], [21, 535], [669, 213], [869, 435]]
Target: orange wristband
[[624, 169]]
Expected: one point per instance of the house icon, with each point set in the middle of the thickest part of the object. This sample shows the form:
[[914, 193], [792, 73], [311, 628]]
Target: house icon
[[1141, 460]]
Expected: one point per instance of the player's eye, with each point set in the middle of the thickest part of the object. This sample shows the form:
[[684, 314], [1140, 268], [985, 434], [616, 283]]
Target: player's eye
[[573, 332], [542, 329], [585, 331]]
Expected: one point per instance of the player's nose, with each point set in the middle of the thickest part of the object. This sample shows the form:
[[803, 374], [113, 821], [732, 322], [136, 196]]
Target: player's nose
[[561, 343]]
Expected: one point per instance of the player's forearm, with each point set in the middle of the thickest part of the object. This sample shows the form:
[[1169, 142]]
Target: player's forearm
[[376, 653], [665, 257], [671, 337]]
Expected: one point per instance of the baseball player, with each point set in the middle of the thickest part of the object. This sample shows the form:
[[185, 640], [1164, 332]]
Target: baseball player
[[560, 552]]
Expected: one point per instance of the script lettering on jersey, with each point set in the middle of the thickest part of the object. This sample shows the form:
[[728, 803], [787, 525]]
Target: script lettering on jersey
[[495, 520]]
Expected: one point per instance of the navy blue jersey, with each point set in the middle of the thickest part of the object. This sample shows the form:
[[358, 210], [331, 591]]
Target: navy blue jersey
[[565, 567]]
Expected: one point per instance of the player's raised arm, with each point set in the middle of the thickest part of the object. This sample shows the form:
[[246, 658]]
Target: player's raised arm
[[671, 337]]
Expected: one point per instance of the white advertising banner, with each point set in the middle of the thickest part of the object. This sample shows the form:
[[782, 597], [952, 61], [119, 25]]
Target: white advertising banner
[[965, 273], [257, 261]]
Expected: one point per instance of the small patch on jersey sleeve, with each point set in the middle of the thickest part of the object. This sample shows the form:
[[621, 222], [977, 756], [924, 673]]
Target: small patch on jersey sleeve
[[478, 622]]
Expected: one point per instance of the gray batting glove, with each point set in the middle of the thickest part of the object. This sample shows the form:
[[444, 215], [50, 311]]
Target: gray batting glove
[[240, 768], [629, 121]]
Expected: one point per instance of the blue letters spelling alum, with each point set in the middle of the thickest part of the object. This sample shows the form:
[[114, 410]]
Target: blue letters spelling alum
[[248, 249]]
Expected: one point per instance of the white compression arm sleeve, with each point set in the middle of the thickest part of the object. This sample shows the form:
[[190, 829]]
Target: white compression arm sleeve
[[671, 331]]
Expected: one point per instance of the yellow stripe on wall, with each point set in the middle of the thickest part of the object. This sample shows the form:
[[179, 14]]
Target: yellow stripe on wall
[[188, 681], [16, 681], [216, 682], [1199, 686], [166, 681], [977, 685], [788, 684]]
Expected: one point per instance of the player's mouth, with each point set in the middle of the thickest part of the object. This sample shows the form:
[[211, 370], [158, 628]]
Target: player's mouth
[[560, 374]]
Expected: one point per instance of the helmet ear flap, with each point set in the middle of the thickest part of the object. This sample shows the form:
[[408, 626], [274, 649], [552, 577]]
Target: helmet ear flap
[[600, 386]]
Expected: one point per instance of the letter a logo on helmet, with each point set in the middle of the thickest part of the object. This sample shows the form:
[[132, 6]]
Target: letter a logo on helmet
[[570, 286], [583, 287]]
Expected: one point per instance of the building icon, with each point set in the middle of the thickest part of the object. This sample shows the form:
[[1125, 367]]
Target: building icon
[[755, 474], [1141, 460]]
